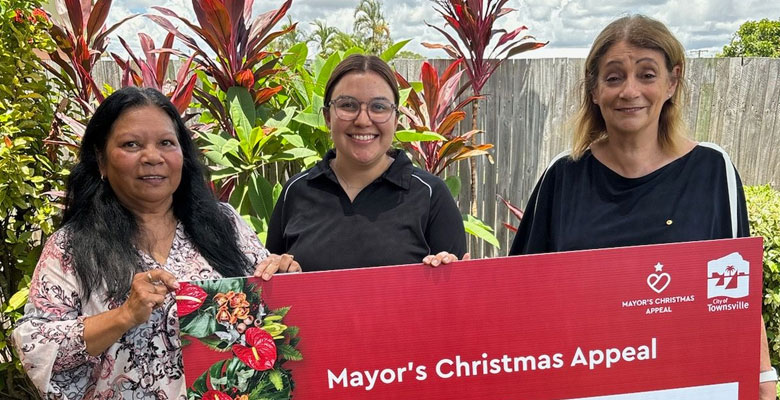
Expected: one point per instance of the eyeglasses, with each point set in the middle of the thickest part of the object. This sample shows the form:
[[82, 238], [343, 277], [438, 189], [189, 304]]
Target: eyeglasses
[[348, 108]]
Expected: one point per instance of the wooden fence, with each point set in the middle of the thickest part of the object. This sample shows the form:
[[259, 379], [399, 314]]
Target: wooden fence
[[732, 102]]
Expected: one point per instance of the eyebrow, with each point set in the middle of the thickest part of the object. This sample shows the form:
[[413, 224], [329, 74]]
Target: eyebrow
[[343, 96], [643, 59]]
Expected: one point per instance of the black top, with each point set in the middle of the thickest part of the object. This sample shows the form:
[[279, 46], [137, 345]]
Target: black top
[[401, 217], [585, 205]]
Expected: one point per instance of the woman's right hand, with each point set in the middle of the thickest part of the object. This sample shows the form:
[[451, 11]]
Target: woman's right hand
[[147, 292]]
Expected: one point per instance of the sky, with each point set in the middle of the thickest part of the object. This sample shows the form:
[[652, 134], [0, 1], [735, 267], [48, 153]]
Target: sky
[[703, 26]]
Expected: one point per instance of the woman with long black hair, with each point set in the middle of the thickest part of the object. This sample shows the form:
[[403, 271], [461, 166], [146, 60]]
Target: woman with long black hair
[[101, 319]]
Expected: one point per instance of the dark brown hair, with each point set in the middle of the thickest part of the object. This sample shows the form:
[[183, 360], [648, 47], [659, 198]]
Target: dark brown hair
[[361, 63]]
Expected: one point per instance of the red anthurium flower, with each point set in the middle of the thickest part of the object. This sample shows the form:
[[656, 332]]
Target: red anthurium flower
[[189, 298], [215, 395], [261, 353]]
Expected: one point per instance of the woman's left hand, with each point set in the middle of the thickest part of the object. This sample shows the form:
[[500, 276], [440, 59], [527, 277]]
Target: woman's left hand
[[276, 263], [443, 258]]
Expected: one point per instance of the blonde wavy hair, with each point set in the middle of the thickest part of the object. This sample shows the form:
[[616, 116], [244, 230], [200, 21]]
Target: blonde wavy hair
[[644, 32]]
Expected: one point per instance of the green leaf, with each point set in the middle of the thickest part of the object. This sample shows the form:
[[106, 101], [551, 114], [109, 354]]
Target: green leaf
[[281, 312], [353, 50], [391, 51], [404, 95], [286, 116], [277, 192], [18, 300], [289, 353], [276, 378], [200, 326], [325, 72], [261, 196], [293, 154], [224, 173], [407, 136], [215, 375], [453, 184], [478, 228], [242, 113], [292, 331], [230, 146], [295, 140], [314, 120], [243, 376], [296, 55]]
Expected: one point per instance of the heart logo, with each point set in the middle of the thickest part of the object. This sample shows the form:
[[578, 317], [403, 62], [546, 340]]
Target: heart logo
[[658, 282]]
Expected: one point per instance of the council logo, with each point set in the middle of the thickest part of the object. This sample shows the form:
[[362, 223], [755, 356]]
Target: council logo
[[728, 277]]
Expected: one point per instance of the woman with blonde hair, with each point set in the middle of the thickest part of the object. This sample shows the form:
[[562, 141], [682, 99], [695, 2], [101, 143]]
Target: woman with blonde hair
[[632, 176]]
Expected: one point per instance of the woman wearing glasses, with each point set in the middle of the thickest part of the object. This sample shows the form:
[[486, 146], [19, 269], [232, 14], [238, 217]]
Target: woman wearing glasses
[[365, 204]]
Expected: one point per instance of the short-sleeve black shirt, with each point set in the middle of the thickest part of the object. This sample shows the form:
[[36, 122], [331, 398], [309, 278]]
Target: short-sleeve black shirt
[[401, 217], [585, 205]]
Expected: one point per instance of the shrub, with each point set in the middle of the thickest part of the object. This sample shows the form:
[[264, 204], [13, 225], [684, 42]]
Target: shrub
[[763, 205], [27, 170]]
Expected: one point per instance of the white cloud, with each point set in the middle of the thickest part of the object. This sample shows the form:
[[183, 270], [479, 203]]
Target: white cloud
[[699, 24]]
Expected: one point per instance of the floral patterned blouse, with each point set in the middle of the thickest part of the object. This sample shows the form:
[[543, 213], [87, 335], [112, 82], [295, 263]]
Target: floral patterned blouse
[[145, 363]]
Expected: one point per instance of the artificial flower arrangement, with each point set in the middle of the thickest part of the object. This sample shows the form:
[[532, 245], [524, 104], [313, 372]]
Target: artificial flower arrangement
[[230, 315]]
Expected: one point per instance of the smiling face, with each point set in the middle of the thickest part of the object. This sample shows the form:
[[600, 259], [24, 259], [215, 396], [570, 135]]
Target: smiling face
[[142, 160], [633, 85], [362, 142]]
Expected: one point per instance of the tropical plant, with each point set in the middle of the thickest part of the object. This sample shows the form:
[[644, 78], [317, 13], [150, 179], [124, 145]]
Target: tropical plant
[[238, 42], [432, 115], [323, 36], [151, 71], [433, 110], [343, 41], [81, 36], [371, 27], [472, 21], [28, 171], [244, 140]]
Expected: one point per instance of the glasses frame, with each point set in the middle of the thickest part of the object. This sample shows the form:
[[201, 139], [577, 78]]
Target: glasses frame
[[362, 103]]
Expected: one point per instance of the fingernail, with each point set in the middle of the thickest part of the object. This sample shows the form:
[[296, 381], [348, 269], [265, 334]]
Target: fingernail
[[175, 285], [266, 276], [435, 262]]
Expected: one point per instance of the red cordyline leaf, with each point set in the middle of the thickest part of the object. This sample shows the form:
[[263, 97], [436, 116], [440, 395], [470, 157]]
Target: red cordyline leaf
[[182, 95], [261, 352], [515, 211], [245, 78], [189, 298], [215, 395], [97, 17], [473, 22], [265, 94]]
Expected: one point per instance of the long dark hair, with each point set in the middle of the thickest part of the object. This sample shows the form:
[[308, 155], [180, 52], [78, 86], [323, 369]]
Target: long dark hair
[[102, 230]]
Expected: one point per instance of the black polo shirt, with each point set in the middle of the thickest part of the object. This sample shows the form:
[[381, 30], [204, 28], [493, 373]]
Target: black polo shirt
[[401, 217]]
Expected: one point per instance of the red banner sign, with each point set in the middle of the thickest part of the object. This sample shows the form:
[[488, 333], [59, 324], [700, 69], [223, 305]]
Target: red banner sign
[[664, 321]]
